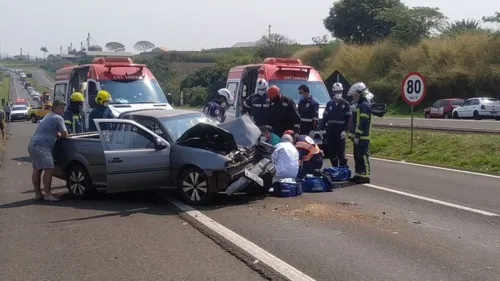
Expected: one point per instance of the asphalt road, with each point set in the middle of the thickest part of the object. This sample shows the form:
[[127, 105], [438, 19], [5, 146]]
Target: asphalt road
[[17, 91], [362, 232], [41, 78]]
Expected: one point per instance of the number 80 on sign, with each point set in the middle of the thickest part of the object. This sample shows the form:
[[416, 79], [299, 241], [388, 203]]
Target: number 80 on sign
[[413, 88]]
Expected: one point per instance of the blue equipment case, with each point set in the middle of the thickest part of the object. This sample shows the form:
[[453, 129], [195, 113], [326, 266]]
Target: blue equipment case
[[287, 188], [338, 173]]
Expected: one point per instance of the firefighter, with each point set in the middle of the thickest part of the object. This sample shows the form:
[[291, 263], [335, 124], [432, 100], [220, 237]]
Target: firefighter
[[102, 111], [336, 122], [283, 114], [258, 104], [308, 111], [310, 156], [359, 132], [73, 114], [217, 107]]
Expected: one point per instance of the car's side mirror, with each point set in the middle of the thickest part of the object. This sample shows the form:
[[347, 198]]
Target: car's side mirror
[[161, 144]]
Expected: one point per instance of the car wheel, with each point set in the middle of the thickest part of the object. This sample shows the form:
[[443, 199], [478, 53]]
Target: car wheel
[[497, 118], [78, 182], [455, 115], [33, 119], [447, 115], [427, 116], [193, 187], [476, 115]]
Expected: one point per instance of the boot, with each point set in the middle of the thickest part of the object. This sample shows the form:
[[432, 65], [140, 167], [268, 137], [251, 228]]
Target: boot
[[361, 180], [354, 179]]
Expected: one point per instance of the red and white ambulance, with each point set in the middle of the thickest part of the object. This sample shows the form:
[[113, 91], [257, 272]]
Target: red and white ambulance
[[132, 86], [286, 73]]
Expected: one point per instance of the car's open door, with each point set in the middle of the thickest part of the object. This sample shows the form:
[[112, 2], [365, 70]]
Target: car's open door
[[136, 158]]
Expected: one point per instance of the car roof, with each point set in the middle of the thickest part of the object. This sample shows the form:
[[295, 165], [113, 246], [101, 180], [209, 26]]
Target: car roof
[[160, 113]]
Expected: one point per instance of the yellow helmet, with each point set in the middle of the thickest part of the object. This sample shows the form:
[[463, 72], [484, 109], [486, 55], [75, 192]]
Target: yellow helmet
[[76, 96], [103, 96]]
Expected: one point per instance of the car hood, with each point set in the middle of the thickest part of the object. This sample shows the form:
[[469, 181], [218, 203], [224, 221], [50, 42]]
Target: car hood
[[19, 111], [117, 109], [240, 131]]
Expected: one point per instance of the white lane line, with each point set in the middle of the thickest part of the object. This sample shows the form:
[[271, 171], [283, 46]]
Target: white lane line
[[433, 167], [258, 253], [13, 81], [456, 206]]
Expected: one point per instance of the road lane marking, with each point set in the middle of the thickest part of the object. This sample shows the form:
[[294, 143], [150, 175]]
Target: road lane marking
[[433, 167], [15, 86], [258, 253], [456, 206]]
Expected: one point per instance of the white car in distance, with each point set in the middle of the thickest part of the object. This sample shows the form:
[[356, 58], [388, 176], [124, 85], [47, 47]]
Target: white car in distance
[[478, 108]]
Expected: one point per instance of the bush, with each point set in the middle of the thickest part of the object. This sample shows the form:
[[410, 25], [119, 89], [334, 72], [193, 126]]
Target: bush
[[463, 66]]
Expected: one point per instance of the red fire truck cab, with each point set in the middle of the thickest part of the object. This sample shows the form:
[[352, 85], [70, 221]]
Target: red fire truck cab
[[286, 73], [132, 86]]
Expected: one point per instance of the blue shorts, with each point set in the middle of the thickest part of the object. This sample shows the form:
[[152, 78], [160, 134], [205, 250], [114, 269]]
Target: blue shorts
[[41, 157]]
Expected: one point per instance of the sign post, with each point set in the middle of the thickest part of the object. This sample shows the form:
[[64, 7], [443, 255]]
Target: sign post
[[413, 92]]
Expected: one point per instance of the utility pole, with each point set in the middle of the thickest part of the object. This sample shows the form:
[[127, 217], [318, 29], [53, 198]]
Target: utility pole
[[269, 30]]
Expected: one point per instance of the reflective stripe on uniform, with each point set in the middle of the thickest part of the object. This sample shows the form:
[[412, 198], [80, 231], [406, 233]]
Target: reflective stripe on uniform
[[75, 118], [306, 119], [315, 119], [336, 122], [312, 149], [265, 105]]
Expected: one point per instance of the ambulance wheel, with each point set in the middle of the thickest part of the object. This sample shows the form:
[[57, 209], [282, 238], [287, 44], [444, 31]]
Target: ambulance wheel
[[427, 115], [194, 187], [78, 181]]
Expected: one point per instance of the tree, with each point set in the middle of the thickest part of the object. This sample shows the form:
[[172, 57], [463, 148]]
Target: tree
[[493, 19], [358, 21], [144, 46], [95, 48], [411, 25], [44, 50], [115, 47], [321, 40], [275, 45], [461, 26]]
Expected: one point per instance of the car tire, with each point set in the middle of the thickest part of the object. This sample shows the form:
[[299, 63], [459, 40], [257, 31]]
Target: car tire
[[455, 115], [427, 115], [194, 187], [33, 118], [78, 182], [497, 118], [476, 115], [447, 115]]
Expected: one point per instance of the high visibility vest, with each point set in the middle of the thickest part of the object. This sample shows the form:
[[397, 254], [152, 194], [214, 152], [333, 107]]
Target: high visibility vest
[[312, 149]]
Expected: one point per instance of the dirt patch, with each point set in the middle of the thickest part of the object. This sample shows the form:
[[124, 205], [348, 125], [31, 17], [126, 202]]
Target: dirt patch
[[3, 143], [305, 208]]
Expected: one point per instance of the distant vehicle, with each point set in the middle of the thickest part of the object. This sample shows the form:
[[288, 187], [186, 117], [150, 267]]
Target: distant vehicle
[[379, 109], [150, 147], [43, 108], [19, 112], [443, 108], [478, 108]]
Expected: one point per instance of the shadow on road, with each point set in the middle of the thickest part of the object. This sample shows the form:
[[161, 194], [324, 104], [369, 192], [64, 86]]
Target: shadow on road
[[25, 159]]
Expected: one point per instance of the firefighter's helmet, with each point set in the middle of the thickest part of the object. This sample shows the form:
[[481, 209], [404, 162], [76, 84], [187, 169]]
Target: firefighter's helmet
[[103, 96], [76, 96]]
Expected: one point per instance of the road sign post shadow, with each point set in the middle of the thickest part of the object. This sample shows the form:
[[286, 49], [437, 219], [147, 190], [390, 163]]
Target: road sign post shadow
[[413, 90]]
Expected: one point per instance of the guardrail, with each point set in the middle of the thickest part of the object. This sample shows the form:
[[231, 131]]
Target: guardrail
[[440, 129]]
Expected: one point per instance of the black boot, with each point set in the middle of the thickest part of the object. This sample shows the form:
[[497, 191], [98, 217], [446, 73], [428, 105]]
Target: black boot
[[354, 179], [361, 180]]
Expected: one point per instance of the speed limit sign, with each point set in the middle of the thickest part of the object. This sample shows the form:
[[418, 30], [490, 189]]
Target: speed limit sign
[[413, 88]]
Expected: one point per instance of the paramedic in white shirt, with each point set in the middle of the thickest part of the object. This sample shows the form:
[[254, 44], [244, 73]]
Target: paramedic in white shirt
[[285, 159]]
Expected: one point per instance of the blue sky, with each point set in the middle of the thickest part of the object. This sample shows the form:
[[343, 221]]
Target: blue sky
[[180, 25]]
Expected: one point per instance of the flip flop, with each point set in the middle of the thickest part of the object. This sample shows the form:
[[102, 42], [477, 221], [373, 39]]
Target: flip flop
[[51, 198], [39, 197]]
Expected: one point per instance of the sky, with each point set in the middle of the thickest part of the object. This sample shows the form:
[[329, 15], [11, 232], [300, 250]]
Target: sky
[[177, 25]]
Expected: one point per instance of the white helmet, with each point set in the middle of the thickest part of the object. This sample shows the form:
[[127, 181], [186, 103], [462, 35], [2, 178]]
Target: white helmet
[[358, 87], [227, 95], [337, 87], [262, 86], [369, 96]]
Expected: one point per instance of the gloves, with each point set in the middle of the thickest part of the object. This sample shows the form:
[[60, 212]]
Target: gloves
[[342, 135], [356, 140]]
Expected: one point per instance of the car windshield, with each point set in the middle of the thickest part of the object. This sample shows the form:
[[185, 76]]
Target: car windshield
[[457, 102], [178, 125], [290, 89], [491, 101], [19, 107], [134, 91]]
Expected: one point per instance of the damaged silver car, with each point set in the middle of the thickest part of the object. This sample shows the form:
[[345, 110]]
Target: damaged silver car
[[149, 149]]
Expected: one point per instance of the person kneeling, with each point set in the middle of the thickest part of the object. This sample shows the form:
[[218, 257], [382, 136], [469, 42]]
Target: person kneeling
[[285, 159], [310, 156]]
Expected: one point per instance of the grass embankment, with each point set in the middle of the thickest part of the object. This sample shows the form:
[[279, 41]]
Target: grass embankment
[[39, 87], [4, 88], [458, 66], [475, 152]]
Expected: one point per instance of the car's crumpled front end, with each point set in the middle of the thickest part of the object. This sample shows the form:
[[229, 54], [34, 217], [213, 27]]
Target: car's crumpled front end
[[223, 152]]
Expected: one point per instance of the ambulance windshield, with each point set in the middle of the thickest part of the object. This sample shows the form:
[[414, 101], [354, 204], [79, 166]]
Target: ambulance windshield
[[134, 91], [290, 88]]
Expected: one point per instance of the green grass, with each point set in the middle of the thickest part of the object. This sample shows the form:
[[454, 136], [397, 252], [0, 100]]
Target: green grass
[[39, 87], [475, 152], [17, 63], [4, 89]]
